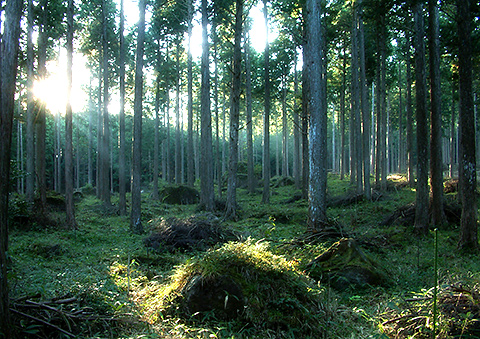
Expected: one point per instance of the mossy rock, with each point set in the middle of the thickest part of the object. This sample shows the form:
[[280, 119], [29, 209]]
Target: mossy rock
[[179, 195], [218, 294], [265, 291], [346, 265]]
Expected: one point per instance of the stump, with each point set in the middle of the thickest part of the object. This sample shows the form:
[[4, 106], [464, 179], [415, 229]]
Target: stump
[[345, 265]]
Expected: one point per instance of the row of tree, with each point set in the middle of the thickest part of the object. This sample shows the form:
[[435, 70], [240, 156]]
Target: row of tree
[[356, 77]]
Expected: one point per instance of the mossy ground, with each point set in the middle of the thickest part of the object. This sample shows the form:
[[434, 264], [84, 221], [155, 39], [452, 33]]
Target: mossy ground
[[112, 271]]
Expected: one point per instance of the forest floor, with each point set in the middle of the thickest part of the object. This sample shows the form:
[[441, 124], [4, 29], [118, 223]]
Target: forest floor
[[101, 281]]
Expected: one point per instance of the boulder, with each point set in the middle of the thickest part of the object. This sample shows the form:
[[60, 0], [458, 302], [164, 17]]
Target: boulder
[[220, 295]]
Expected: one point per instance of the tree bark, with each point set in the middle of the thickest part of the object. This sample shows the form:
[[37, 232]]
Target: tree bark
[[248, 98], [30, 121], [136, 218], [41, 118], [364, 106], [178, 139], [122, 189], [408, 103], [266, 117], [9, 43], [69, 206], [190, 159], [297, 167], [231, 205], [421, 212], [207, 193], [156, 160], [356, 110], [105, 161], [314, 57], [436, 157], [467, 163]]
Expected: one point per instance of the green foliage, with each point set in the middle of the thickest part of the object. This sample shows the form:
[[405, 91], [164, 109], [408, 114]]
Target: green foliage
[[111, 271]]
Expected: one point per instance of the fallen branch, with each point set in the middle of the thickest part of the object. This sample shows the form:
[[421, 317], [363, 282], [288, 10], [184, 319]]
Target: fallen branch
[[42, 322]]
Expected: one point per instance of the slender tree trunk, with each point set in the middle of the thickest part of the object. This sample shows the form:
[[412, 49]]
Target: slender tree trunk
[[410, 162], [305, 127], [122, 182], [364, 106], [401, 161], [343, 153], [357, 130], [421, 213], [452, 133], [156, 160], [266, 117], [248, 97], [69, 206], [382, 118], [436, 158], [468, 178], [105, 162], [231, 205], [9, 42], [30, 134], [317, 192], [218, 158], [296, 129], [284, 128], [178, 145], [90, 135], [136, 219], [207, 193], [41, 117], [99, 134], [190, 159]]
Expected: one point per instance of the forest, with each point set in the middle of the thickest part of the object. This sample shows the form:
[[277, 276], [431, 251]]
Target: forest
[[239, 169]]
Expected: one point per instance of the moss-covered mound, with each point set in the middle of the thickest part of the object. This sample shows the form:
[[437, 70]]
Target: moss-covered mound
[[345, 265], [200, 231], [179, 195], [276, 295]]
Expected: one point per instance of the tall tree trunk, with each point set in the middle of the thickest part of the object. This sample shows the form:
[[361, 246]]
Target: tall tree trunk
[[30, 134], [41, 117], [357, 123], [9, 42], [343, 153], [207, 193], [467, 163], [105, 161], [231, 205], [382, 118], [248, 98], [364, 105], [156, 160], [408, 103], [305, 127], [297, 168], [401, 158], [122, 189], [421, 213], [90, 135], [266, 117], [99, 134], [178, 142], [190, 159], [136, 218], [436, 158], [218, 155], [317, 191], [284, 127], [69, 207], [452, 133]]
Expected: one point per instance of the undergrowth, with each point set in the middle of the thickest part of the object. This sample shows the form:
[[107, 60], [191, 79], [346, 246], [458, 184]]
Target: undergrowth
[[111, 271]]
